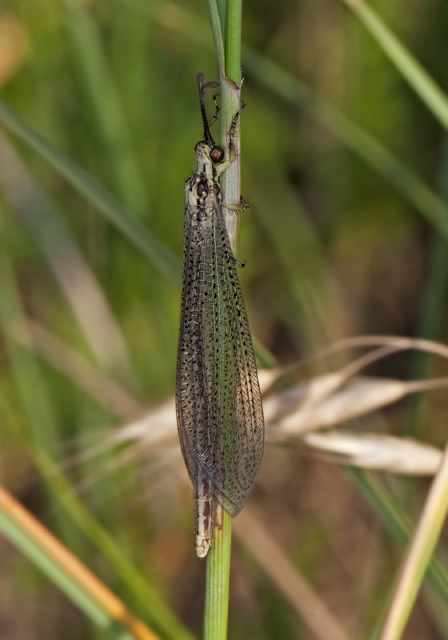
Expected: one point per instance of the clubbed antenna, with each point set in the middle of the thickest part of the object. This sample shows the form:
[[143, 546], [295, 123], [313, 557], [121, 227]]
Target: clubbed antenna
[[201, 90]]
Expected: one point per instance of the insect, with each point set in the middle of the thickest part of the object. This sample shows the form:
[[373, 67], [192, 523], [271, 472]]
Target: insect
[[218, 402]]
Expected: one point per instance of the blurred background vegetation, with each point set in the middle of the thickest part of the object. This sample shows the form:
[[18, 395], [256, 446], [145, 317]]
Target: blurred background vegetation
[[342, 239]]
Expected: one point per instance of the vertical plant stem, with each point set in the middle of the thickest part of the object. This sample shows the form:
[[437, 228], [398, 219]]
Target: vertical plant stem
[[419, 554], [232, 40], [218, 559], [217, 578], [396, 522], [230, 105], [430, 323]]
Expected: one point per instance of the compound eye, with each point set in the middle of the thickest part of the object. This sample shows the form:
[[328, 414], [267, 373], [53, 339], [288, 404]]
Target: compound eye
[[216, 154]]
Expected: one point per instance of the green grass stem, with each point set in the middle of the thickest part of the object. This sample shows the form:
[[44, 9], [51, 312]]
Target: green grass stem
[[218, 559], [411, 70], [217, 581]]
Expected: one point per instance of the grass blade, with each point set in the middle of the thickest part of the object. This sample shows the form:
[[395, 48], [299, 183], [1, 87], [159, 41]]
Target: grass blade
[[129, 226], [422, 83], [81, 586]]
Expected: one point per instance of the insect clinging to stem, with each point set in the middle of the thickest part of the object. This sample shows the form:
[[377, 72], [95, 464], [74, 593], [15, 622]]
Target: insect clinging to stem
[[218, 401]]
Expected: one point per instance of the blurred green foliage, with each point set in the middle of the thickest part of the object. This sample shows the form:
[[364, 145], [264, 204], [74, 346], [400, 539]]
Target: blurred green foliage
[[347, 234]]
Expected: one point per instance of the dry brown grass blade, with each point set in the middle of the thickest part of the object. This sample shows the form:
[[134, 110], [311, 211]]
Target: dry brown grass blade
[[385, 345], [397, 343], [392, 343], [64, 359], [419, 553], [327, 401], [72, 566], [290, 414], [76, 280], [375, 451]]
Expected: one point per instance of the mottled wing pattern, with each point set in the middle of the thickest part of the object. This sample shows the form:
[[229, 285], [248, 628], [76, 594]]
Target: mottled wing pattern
[[237, 428], [191, 404], [219, 408]]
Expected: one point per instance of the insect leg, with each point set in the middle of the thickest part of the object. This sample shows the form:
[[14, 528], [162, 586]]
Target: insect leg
[[243, 205], [232, 133], [234, 123], [218, 109]]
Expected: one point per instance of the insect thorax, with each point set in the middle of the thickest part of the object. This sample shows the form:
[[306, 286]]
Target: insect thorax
[[203, 196]]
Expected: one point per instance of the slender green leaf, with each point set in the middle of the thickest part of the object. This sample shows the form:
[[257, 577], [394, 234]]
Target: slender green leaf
[[73, 589], [129, 226], [419, 79]]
